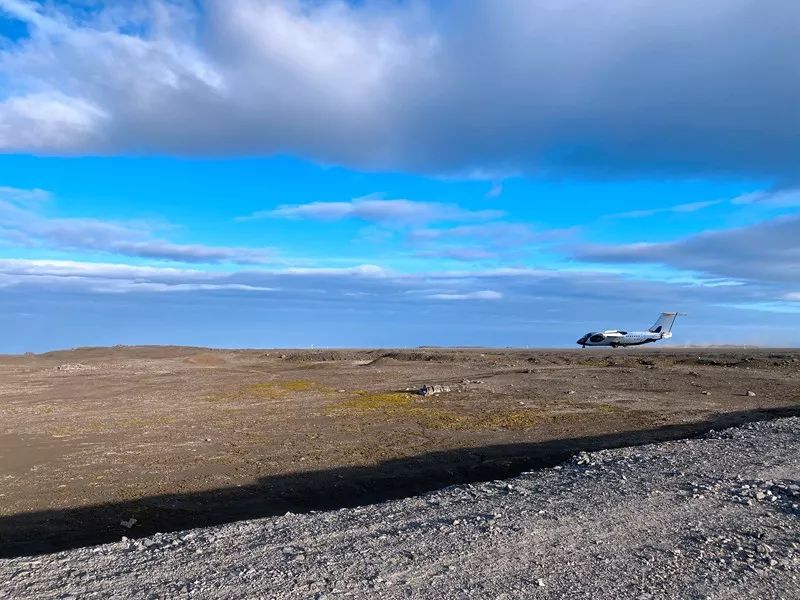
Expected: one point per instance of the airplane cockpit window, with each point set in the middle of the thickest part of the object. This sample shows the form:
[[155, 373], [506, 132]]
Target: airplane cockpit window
[[597, 337]]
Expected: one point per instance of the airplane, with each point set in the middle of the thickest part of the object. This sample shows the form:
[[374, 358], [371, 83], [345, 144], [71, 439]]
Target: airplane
[[661, 329]]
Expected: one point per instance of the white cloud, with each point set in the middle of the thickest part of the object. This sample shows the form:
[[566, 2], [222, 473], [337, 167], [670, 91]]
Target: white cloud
[[359, 270], [765, 252], [33, 269], [49, 121], [462, 87], [72, 268], [384, 212], [688, 207], [22, 195], [495, 191], [480, 295], [24, 225], [190, 253], [115, 287], [780, 198]]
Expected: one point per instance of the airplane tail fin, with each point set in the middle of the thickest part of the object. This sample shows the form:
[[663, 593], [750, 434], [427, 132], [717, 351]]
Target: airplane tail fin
[[664, 323]]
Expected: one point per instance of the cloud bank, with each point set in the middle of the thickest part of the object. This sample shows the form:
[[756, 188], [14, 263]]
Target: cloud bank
[[766, 252], [47, 303], [22, 225], [625, 87]]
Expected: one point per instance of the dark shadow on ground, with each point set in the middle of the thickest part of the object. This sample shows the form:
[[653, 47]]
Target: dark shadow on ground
[[54, 530]]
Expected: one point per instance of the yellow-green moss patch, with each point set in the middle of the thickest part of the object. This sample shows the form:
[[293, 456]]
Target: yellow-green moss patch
[[402, 406], [375, 400]]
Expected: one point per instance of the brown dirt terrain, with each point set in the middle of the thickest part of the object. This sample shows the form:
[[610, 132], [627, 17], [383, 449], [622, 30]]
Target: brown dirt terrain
[[181, 437]]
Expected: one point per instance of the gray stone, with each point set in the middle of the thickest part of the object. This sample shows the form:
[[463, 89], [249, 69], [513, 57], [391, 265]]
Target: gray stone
[[430, 390]]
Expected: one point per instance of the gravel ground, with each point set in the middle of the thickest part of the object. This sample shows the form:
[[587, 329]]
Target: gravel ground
[[179, 438], [715, 517]]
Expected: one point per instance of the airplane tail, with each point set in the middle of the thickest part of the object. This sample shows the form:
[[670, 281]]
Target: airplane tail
[[664, 323]]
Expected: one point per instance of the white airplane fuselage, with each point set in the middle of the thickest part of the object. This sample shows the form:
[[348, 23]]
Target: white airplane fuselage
[[662, 329], [616, 338]]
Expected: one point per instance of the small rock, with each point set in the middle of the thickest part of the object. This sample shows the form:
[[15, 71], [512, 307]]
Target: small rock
[[129, 523], [429, 390], [751, 393]]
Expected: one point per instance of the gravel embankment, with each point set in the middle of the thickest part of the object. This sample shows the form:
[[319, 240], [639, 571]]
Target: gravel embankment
[[716, 517]]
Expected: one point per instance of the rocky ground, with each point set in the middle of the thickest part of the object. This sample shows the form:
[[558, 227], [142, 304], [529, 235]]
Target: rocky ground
[[102, 442], [713, 517]]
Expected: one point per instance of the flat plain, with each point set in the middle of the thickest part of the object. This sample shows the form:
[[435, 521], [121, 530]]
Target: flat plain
[[167, 438]]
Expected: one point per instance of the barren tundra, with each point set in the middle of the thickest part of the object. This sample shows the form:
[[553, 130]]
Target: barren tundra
[[710, 518], [104, 442]]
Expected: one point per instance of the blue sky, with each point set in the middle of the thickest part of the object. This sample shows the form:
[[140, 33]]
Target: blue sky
[[286, 173]]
